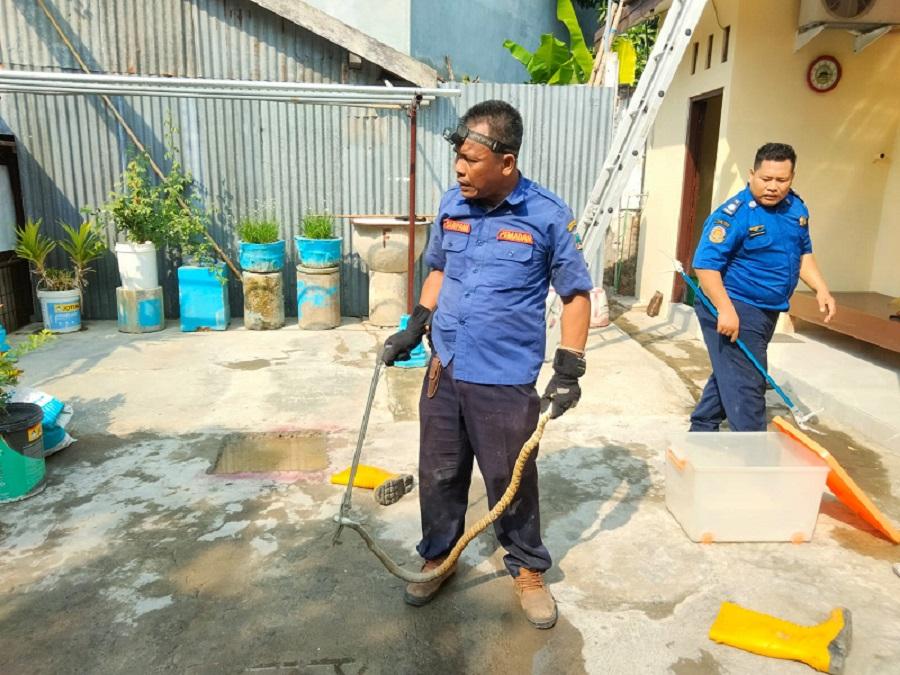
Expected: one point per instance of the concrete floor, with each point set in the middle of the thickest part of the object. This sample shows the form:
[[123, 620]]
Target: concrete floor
[[137, 558]]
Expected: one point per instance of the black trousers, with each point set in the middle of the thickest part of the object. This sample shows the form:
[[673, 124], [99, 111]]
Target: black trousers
[[736, 390], [488, 423]]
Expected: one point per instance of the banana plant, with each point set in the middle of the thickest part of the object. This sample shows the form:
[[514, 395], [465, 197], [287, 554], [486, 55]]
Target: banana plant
[[554, 61]]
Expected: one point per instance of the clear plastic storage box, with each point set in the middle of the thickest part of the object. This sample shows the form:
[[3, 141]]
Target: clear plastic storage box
[[756, 486]]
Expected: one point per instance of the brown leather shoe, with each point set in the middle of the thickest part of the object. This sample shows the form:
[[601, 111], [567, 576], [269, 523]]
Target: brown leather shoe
[[539, 605], [418, 594]]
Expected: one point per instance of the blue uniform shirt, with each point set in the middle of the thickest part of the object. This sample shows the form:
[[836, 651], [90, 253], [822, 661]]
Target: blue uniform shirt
[[756, 248], [498, 265]]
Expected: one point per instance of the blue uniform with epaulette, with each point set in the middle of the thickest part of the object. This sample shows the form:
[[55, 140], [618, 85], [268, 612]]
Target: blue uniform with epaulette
[[758, 250], [488, 332]]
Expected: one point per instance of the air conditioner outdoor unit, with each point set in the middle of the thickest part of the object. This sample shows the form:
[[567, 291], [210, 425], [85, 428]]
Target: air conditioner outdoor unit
[[848, 14]]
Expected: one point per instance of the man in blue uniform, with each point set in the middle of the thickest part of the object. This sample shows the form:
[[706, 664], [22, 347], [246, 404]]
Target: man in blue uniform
[[752, 251], [498, 242]]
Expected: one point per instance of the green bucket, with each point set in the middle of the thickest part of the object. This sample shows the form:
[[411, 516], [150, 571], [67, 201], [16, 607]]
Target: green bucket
[[22, 469]]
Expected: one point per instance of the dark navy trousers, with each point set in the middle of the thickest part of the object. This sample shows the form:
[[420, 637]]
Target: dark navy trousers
[[736, 390], [490, 424]]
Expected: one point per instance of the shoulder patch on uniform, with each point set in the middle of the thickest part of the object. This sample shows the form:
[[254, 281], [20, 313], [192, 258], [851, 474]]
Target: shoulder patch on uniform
[[516, 236], [723, 223], [456, 226], [717, 234], [571, 226], [804, 221], [732, 206]]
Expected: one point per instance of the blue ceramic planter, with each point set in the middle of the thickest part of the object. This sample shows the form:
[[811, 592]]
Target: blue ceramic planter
[[262, 258], [319, 252]]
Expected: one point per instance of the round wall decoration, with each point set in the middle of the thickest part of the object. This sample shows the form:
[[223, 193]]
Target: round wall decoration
[[823, 74]]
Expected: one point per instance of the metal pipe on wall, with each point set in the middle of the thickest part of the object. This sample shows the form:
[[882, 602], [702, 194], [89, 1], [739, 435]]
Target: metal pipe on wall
[[411, 254], [41, 82]]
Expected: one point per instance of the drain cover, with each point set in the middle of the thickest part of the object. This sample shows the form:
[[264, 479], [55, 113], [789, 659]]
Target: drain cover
[[267, 453]]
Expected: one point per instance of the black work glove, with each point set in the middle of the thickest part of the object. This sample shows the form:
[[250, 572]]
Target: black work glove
[[398, 347], [563, 391]]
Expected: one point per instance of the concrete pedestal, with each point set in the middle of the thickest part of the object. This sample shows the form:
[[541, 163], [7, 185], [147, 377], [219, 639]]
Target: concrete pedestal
[[263, 300], [387, 298], [383, 244], [139, 310], [318, 297]]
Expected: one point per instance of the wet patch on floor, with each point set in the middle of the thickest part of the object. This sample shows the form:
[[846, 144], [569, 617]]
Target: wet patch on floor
[[863, 463], [587, 491], [687, 358], [403, 389], [256, 453], [705, 664], [251, 364], [346, 355], [865, 541]]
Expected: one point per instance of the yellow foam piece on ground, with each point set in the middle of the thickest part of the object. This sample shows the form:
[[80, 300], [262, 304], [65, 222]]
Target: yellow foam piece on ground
[[366, 476], [842, 485], [823, 647]]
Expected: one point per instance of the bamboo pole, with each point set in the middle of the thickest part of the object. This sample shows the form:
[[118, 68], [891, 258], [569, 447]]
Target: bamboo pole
[[133, 137]]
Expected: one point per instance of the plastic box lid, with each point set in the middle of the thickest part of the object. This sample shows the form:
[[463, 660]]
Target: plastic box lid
[[756, 450]]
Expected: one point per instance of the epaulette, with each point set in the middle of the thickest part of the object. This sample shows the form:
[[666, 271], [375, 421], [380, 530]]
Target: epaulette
[[731, 207]]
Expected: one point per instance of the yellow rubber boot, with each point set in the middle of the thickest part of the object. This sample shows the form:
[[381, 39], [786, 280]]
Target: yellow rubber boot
[[824, 647], [366, 476]]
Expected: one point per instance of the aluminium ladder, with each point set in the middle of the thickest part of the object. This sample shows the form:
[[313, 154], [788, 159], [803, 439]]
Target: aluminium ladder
[[631, 134]]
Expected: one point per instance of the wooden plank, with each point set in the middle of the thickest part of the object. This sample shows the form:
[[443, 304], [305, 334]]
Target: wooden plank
[[353, 40], [864, 316], [636, 11]]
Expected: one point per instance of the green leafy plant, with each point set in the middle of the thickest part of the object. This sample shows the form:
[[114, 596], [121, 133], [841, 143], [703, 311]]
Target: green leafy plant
[[318, 226], [555, 62], [9, 369], [134, 206], [82, 245], [165, 212], [258, 231]]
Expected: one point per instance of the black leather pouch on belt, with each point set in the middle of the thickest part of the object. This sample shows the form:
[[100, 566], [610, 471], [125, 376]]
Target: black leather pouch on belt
[[434, 375]]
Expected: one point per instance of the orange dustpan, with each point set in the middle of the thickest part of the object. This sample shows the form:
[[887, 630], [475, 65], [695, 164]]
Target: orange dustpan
[[840, 483]]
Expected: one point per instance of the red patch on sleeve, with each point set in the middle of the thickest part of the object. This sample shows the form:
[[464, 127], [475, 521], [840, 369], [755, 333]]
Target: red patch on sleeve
[[515, 236], [456, 226]]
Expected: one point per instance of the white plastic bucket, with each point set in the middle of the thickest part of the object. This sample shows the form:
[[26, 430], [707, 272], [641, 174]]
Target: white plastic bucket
[[61, 310], [137, 265]]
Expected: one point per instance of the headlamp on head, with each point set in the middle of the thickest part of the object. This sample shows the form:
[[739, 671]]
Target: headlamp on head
[[457, 136]]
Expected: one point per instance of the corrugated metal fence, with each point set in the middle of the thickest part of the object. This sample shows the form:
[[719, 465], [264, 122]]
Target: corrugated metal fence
[[282, 159]]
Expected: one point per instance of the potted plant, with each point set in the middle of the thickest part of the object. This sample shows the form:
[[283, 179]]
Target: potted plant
[[135, 208], [202, 280], [261, 248], [60, 290], [318, 247], [22, 465]]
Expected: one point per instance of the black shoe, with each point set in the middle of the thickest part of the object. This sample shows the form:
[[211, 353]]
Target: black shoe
[[392, 490]]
